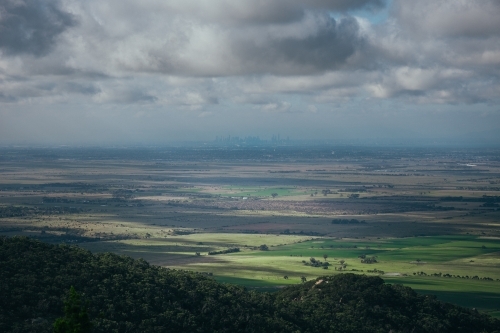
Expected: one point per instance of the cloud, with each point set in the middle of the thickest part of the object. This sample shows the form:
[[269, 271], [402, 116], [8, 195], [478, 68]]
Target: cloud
[[450, 18], [31, 26], [205, 114], [314, 44], [174, 38], [278, 107], [312, 108], [124, 95], [7, 98], [244, 12], [436, 85], [84, 88], [305, 84], [327, 48], [443, 52]]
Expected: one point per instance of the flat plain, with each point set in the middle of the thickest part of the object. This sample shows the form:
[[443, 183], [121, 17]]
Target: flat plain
[[265, 217]]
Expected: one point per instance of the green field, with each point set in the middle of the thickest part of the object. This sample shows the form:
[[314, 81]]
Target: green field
[[462, 269], [482, 295]]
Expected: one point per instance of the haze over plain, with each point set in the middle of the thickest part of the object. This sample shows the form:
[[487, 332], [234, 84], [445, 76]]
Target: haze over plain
[[153, 72]]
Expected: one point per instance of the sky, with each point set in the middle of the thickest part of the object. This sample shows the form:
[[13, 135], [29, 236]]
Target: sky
[[105, 72]]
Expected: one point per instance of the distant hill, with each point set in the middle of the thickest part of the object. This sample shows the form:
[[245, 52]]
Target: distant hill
[[127, 295]]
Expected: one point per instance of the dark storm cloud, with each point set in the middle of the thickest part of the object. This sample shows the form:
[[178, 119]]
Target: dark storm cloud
[[340, 5], [263, 12], [315, 44], [31, 26], [327, 49]]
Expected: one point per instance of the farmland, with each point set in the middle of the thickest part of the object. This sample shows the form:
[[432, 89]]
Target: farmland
[[427, 218]]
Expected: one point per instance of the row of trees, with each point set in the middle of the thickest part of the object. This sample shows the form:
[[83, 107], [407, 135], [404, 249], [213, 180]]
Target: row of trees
[[231, 250], [446, 275], [347, 221]]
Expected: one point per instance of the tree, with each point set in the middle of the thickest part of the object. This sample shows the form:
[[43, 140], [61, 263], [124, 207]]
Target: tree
[[369, 260], [285, 277], [264, 247], [76, 319], [325, 256], [274, 195], [303, 279]]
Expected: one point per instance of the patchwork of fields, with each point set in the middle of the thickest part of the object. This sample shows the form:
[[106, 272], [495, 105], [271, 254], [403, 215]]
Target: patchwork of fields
[[426, 218]]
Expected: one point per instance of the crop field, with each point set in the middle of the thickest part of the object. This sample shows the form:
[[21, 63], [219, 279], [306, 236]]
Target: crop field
[[427, 218]]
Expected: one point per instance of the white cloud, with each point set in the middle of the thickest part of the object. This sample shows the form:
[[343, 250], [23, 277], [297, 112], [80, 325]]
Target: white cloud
[[276, 107]]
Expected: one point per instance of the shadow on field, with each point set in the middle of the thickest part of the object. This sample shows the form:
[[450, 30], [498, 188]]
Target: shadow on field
[[261, 285], [487, 302], [163, 255]]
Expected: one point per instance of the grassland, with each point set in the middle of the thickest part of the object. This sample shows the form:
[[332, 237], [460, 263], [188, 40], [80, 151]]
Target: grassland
[[423, 210]]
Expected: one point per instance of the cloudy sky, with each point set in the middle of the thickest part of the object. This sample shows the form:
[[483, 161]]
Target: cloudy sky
[[157, 71]]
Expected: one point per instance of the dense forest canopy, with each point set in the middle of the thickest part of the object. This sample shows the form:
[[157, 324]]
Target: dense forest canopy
[[126, 295]]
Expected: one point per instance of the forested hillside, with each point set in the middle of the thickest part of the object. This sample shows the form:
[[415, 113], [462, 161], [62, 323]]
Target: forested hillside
[[127, 295]]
